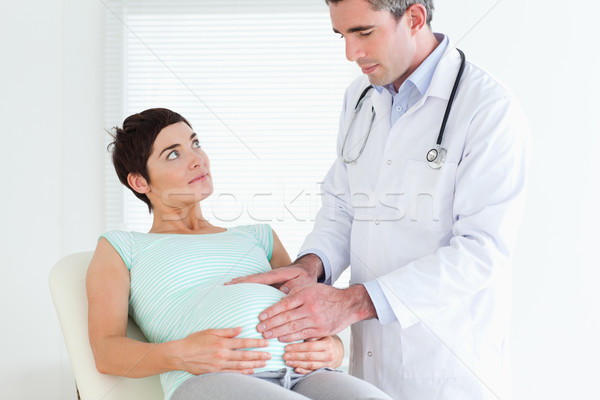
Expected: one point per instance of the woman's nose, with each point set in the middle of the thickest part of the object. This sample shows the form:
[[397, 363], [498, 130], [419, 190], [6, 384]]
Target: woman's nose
[[197, 161]]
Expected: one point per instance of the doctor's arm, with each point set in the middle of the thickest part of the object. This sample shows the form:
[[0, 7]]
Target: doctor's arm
[[107, 286]]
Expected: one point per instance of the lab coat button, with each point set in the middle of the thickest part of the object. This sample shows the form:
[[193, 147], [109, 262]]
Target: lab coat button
[[376, 222], [399, 108], [389, 162], [370, 354]]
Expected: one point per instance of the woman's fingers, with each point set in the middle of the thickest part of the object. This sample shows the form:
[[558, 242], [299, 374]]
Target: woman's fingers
[[304, 367], [246, 355], [237, 343], [225, 333], [308, 345], [303, 371], [248, 343], [227, 360], [243, 361], [311, 355], [219, 350], [239, 366]]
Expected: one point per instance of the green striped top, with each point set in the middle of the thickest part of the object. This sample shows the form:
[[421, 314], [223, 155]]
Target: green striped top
[[177, 286]]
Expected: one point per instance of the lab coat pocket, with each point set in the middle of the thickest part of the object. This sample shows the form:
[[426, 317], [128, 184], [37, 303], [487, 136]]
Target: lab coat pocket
[[427, 195], [439, 348]]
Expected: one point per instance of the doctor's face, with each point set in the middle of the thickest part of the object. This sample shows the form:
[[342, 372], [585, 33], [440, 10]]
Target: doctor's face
[[382, 46]]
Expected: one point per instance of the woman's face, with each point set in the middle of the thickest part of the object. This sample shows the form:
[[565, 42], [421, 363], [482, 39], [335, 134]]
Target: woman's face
[[178, 168]]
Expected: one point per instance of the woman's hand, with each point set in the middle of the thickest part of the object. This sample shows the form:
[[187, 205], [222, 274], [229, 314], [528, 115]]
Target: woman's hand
[[217, 350], [314, 354]]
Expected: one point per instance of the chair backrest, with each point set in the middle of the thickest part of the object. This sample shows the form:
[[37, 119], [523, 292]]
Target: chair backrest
[[67, 285]]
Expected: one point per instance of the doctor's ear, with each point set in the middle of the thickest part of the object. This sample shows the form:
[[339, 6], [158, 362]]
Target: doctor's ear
[[416, 16], [138, 183]]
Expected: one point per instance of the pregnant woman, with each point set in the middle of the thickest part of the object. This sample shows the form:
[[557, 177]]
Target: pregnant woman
[[202, 334]]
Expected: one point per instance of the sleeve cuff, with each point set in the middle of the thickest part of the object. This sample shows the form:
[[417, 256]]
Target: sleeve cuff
[[326, 277], [385, 314]]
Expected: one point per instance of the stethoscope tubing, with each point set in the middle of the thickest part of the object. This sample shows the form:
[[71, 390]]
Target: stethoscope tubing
[[452, 95], [356, 109], [438, 150]]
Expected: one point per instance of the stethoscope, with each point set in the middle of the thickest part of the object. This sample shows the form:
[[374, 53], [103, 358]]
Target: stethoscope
[[437, 155]]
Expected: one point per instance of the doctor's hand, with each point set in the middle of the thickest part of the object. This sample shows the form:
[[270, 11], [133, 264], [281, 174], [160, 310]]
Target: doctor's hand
[[304, 271], [313, 354], [315, 311]]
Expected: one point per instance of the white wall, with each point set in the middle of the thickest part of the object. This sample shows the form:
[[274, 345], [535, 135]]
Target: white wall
[[51, 106], [51, 87]]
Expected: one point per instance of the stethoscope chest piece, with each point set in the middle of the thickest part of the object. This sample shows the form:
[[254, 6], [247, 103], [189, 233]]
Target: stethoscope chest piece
[[436, 157]]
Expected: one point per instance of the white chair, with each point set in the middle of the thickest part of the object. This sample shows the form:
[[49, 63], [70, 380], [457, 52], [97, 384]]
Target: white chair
[[67, 285]]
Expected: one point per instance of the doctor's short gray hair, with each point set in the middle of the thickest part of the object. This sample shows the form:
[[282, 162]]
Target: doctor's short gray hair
[[397, 7]]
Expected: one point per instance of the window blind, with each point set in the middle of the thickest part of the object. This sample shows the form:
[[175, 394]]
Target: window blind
[[261, 82]]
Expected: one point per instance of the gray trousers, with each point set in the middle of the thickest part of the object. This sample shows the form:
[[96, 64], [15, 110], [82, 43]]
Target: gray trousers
[[323, 384]]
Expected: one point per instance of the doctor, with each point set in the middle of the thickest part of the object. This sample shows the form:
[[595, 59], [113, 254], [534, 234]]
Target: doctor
[[428, 234]]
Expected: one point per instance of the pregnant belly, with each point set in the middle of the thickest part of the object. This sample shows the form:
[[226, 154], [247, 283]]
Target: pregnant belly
[[231, 306]]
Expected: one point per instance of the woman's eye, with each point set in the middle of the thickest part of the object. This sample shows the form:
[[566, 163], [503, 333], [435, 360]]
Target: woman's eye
[[196, 144], [173, 155]]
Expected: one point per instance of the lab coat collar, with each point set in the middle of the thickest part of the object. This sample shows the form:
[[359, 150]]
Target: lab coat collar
[[445, 74], [443, 78]]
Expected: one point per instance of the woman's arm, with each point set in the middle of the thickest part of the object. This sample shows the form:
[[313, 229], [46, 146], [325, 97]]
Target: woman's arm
[[314, 354], [201, 352], [280, 256]]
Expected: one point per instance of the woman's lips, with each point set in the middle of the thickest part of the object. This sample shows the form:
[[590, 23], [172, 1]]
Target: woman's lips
[[199, 178]]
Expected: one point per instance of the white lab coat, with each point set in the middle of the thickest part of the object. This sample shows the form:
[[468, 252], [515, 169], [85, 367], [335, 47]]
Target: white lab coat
[[438, 242]]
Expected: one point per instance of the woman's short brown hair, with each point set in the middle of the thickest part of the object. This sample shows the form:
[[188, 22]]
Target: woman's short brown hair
[[133, 144]]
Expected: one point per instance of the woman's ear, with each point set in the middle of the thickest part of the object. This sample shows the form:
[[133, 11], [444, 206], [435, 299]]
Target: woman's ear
[[138, 183]]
